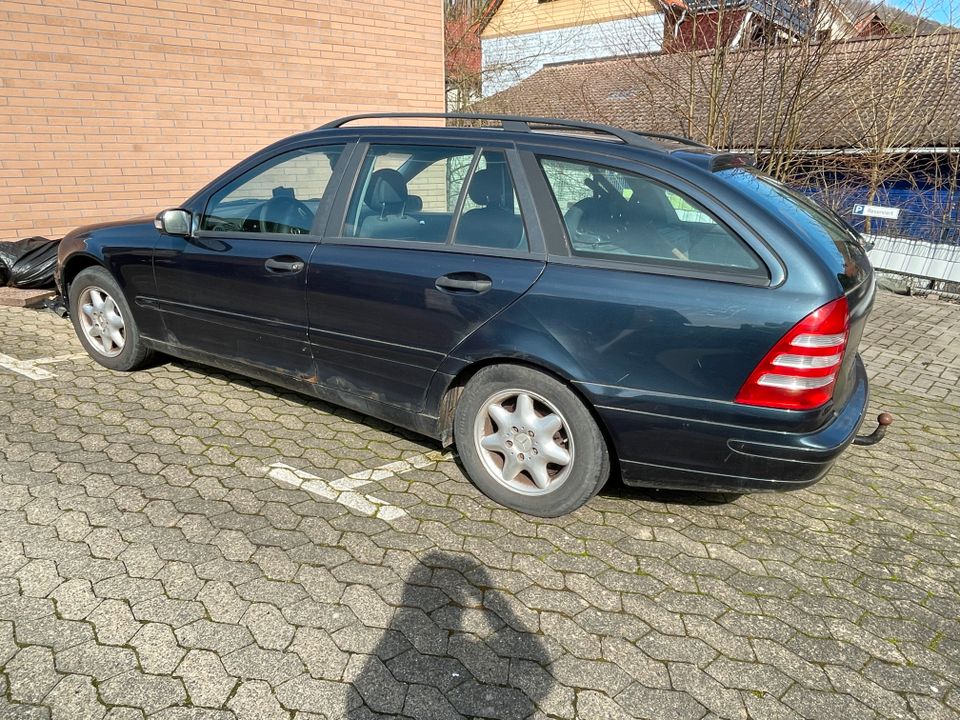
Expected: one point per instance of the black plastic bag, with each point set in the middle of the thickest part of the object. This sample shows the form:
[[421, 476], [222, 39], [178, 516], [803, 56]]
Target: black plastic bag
[[28, 263]]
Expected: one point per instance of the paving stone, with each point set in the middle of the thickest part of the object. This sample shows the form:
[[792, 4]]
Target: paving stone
[[331, 697], [148, 692], [124, 713], [665, 704], [38, 578], [8, 643], [221, 638], [31, 674], [136, 518], [427, 703], [476, 699], [100, 661], [52, 632], [376, 685], [268, 626], [194, 713], [113, 622], [175, 613], [74, 698], [323, 659], [141, 560], [254, 700], [255, 663], [593, 705], [75, 599], [589, 674], [206, 680], [539, 687], [157, 648]]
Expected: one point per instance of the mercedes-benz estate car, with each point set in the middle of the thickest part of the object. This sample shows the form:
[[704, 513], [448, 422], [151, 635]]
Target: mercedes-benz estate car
[[561, 300]]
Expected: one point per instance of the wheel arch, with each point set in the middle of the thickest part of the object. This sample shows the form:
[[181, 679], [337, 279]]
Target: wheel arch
[[74, 265], [454, 390]]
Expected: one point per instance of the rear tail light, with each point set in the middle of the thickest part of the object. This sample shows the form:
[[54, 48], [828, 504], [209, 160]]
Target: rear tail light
[[800, 372]]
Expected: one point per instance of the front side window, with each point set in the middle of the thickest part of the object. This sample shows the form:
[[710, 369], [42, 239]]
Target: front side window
[[617, 215], [280, 196], [408, 193]]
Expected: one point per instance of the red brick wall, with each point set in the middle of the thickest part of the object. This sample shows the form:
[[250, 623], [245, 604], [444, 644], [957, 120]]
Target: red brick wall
[[114, 109]]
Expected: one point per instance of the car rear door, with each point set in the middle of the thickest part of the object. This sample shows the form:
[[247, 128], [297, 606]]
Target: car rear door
[[412, 263], [237, 288]]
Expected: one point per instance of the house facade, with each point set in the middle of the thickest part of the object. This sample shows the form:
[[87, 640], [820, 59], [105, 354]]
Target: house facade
[[118, 108], [521, 36]]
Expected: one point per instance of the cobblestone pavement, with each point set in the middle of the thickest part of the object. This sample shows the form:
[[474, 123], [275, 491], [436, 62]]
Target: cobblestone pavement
[[182, 544]]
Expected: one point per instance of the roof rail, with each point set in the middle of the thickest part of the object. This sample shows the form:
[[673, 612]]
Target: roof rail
[[521, 123], [673, 138]]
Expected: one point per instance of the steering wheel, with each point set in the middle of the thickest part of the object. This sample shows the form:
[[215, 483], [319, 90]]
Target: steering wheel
[[283, 215]]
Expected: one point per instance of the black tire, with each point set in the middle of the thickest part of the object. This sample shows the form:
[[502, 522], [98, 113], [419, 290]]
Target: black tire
[[135, 353], [589, 466]]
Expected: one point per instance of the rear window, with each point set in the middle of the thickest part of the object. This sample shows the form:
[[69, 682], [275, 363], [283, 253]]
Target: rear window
[[835, 242]]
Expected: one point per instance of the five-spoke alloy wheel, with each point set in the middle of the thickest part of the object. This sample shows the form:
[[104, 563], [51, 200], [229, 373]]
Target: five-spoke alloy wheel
[[527, 441]]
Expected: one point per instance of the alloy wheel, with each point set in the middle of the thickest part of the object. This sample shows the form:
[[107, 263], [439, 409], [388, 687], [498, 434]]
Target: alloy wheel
[[524, 442], [101, 321]]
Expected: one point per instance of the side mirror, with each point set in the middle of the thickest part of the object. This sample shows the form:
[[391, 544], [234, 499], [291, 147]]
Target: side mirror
[[175, 222]]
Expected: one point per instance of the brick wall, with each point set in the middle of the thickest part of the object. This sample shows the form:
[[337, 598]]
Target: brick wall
[[114, 109]]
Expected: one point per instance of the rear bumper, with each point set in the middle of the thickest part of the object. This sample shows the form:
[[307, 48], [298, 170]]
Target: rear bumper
[[666, 451]]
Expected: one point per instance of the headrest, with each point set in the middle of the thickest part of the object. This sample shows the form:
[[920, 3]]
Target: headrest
[[414, 204], [486, 188], [387, 191]]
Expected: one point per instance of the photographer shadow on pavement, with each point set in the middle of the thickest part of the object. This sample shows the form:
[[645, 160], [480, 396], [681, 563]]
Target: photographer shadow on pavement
[[454, 648]]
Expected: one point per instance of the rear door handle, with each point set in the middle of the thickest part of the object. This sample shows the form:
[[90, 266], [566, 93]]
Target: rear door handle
[[464, 283], [284, 264]]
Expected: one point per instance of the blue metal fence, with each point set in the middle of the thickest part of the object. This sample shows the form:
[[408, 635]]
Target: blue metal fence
[[931, 215]]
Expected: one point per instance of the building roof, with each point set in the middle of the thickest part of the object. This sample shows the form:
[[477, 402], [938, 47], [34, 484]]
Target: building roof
[[892, 92]]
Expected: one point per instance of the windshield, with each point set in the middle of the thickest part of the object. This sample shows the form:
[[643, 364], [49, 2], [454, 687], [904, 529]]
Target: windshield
[[833, 240]]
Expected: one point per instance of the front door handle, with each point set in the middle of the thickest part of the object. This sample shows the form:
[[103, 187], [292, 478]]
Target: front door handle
[[284, 264], [464, 283]]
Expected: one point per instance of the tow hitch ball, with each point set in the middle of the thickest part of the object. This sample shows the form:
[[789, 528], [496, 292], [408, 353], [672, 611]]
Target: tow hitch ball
[[883, 421]]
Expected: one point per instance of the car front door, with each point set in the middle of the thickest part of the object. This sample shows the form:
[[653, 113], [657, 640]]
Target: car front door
[[428, 245], [236, 289]]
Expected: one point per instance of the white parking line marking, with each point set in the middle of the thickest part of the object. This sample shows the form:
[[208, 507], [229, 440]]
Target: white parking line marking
[[343, 489], [32, 369]]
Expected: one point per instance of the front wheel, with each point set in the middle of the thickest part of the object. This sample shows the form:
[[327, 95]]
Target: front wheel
[[528, 442], [102, 320]]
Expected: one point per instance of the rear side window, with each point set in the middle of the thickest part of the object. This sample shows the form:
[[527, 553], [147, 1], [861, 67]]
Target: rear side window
[[617, 215], [408, 192], [281, 195]]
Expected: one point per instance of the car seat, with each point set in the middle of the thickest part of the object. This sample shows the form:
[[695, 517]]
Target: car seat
[[387, 198], [491, 224]]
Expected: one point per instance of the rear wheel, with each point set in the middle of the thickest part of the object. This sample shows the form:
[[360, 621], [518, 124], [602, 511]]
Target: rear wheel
[[528, 442], [103, 321]]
